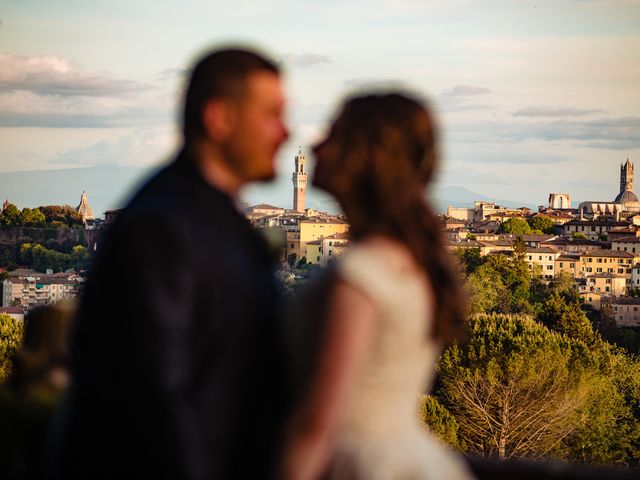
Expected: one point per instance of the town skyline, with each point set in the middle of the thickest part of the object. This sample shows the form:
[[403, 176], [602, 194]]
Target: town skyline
[[25, 189], [526, 102]]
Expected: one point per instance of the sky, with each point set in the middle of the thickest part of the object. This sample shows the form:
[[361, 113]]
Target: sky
[[531, 97]]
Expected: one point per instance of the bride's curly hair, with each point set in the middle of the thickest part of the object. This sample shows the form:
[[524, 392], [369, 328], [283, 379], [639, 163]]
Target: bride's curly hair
[[387, 156]]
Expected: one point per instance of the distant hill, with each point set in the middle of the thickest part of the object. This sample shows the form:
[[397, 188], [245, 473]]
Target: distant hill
[[106, 187], [109, 187], [444, 196]]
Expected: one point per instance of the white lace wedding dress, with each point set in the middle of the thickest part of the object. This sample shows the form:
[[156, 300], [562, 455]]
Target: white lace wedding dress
[[380, 436]]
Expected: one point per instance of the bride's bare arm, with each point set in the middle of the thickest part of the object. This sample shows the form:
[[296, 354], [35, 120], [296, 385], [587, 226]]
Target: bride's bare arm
[[350, 329]]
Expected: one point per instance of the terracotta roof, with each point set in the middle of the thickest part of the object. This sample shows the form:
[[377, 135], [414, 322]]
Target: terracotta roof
[[597, 223], [44, 279], [454, 220], [323, 220], [606, 275], [569, 257], [338, 236], [529, 238], [11, 310], [541, 250], [625, 229], [629, 239], [571, 241], [265, 206], [608, 253], [463, 243], [624, 300], [498, 243]]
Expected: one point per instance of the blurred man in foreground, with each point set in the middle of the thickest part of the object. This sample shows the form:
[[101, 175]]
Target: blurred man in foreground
[[176, 354]]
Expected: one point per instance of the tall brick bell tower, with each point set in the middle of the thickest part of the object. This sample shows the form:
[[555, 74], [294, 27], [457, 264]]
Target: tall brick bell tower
[[299, 182]]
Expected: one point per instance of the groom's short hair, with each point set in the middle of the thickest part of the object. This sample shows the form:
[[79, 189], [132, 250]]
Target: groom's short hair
[[219, 74]]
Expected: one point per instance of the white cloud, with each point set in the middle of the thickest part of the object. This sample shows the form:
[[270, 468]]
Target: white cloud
[[51, 75], [550, 111], [305, 60], [49, 91], [467, 90], [142, 147]]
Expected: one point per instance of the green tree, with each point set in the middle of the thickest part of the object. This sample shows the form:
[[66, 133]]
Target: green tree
[[565, 285], [512, 388], [11, 332], [59, 216], [515, 226], [610, 432], [519, 389], [470, 258], [544, 224], [41, 258], [500, 284], [487, 291], [566, 317], [578, 236], [440, 421], [32, 218], [10, 216], [519, 248], [80, 258]]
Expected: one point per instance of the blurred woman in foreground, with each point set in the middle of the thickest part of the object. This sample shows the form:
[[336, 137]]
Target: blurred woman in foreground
[[392, 301]]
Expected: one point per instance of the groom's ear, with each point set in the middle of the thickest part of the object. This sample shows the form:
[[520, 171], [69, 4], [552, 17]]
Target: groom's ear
[[219, 119]]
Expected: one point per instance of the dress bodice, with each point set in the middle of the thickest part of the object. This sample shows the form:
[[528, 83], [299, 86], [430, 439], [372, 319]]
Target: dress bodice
[[380, 436], [402, 359]]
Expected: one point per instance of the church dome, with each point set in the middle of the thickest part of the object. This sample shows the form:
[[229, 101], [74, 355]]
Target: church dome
[[626, 197], [84, 209]]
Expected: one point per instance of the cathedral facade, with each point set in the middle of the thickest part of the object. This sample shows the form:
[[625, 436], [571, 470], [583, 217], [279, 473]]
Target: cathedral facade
[[625, 201]]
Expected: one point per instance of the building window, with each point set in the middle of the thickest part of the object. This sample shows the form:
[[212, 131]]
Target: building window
[[598, 270]]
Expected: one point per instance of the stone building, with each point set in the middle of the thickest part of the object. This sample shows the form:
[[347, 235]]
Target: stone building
[[559, 201], [625, 201], [34, 289], [299, 179], [625, 310]]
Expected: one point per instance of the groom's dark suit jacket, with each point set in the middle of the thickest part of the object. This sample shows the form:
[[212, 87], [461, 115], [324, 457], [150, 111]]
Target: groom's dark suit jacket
[[177, 356]]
